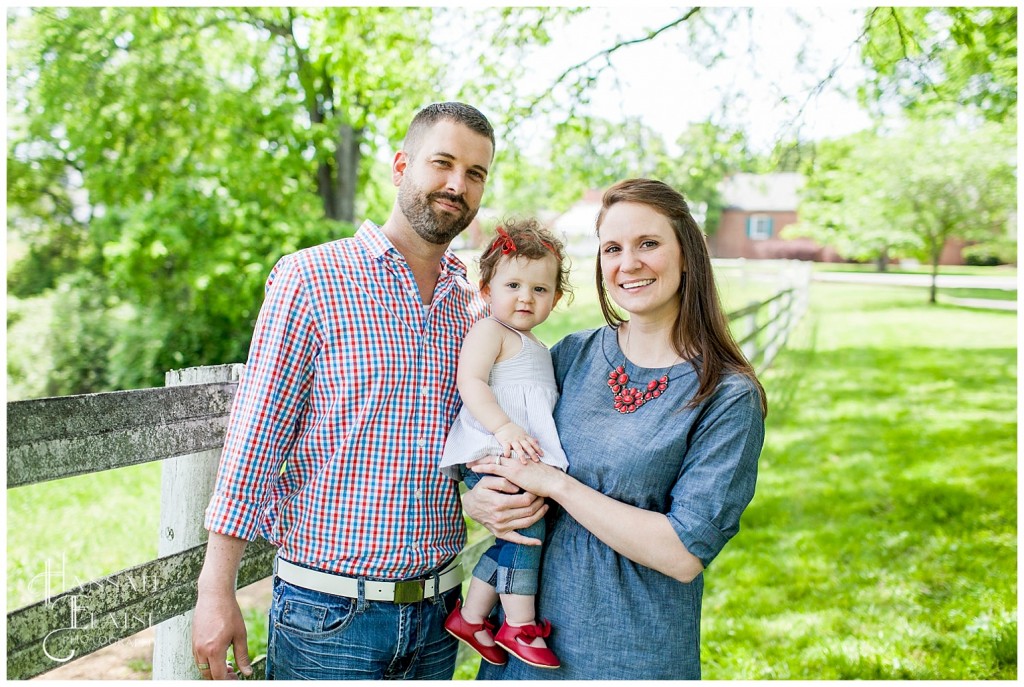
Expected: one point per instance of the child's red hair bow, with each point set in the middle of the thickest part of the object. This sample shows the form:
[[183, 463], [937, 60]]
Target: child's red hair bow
[[504, 240]]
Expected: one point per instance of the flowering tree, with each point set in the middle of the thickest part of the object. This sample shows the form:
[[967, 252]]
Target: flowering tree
[[912, 190]]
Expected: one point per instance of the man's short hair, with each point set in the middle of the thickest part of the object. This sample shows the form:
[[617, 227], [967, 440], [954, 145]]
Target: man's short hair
[[460, 113]]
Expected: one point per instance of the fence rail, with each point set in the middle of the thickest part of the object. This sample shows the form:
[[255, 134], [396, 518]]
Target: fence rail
[[183, 426], [52, 438]]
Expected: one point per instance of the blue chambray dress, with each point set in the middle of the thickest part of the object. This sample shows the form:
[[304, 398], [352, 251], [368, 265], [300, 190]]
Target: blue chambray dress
[[524, 386], [613, 618]]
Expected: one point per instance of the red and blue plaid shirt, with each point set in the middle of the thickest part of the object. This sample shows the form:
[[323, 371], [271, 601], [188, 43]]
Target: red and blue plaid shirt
[[341, 415]]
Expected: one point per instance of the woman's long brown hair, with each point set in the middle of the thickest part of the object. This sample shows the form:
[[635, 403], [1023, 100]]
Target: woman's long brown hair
[[701, 328]]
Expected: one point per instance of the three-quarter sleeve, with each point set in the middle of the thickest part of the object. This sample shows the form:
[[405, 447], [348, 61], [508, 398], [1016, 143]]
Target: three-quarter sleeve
[[268, 405], [720, 469]]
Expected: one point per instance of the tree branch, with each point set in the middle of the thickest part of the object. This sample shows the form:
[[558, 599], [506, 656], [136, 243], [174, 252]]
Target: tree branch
[[820, 87], [622, 44], [607, 52]]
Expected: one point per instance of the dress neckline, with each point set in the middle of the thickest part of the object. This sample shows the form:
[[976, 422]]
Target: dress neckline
[[614, 356], [522, 335]]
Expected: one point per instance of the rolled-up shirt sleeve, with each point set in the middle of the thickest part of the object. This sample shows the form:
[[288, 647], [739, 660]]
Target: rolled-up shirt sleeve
[[267, 410], [719, 472]]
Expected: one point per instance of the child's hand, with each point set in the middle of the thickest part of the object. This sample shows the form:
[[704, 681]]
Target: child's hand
[[514, 438]]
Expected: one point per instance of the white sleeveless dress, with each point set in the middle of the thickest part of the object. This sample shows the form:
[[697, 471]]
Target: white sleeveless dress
[[524, 386]]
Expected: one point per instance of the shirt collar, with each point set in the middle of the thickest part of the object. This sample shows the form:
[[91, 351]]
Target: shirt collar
[[378, 245]]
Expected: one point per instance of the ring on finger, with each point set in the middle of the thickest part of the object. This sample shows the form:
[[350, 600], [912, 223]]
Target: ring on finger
[[497, 460], [203, 666]]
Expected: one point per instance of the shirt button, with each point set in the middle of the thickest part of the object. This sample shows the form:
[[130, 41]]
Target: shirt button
[[421, 442], [425, 391], [419, 494]]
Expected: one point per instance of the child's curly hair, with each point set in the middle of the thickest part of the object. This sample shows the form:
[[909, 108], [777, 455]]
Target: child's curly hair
[[525, 238]]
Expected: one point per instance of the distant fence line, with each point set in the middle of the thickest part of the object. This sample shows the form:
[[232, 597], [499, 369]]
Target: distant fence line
[[763, 326], [183, 425]]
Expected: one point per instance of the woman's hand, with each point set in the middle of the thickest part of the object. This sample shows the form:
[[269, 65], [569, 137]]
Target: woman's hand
[[537, 478]]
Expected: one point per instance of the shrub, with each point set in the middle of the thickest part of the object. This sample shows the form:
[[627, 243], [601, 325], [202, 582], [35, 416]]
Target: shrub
[[995, 252]]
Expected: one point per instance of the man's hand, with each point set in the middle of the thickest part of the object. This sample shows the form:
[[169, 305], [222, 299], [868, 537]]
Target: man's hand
[[216, 625], [495, 504], [217, 622]]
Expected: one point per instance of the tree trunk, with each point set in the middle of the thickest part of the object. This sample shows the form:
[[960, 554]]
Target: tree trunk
[[882, 261], [346, 160], [324, 187], [336, 179], [933, 290]]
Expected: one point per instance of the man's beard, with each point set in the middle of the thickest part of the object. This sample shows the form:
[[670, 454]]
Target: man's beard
[[435, 226]]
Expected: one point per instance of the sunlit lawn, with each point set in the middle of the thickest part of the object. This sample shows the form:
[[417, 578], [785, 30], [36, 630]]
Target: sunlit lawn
[[79, 529], [882, 539], [990, 294]]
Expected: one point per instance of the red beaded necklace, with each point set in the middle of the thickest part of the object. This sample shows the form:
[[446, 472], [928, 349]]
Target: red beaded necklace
[[627, 399]]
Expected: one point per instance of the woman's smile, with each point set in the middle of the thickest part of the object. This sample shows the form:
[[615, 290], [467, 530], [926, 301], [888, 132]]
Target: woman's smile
[[637, 284]]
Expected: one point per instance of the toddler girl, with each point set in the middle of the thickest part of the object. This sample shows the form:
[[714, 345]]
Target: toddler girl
[[507, 384]]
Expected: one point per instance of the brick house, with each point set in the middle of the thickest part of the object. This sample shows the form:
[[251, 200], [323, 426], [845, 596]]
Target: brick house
[[757, 208]]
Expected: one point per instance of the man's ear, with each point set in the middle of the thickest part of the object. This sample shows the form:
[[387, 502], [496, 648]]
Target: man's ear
[[398, 167]]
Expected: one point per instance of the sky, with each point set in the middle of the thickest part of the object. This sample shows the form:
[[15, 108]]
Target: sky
[[660, 83]]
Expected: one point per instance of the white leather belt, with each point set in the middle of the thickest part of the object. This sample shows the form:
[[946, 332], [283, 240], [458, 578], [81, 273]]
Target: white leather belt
[[400, 592]]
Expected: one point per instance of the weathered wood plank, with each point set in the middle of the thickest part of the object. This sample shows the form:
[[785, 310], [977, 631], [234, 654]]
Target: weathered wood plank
[[51, 438], [259, 669], [77, 622]]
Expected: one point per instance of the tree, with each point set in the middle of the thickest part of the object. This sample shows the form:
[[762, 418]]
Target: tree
[[937, 58], [155, 133], [845, 207], [583, 153], [174, 153], [709, 153], [911, 190]]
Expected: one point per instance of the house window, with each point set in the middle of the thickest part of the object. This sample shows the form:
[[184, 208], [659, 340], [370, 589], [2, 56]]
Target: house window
[[759, 227]]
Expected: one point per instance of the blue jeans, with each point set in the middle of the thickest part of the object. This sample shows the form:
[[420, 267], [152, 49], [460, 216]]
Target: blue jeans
[[509, 568], [318, 636]]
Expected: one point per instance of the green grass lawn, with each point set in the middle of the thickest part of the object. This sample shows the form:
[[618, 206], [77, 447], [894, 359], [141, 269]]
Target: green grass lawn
[[882, 539], [79, 529], [881, 543], [985, 294]]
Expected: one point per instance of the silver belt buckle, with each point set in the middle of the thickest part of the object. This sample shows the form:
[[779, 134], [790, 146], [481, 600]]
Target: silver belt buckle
[[409, 591]]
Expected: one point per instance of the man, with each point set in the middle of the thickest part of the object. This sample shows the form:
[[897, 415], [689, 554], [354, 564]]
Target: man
[[332, 447]]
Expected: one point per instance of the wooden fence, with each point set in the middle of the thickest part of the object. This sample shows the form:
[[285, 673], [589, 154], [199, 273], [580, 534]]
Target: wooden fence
[[183, 425], [762, 327]]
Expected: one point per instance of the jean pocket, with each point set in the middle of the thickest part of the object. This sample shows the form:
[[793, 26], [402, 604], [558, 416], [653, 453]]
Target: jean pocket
[[313, 614]]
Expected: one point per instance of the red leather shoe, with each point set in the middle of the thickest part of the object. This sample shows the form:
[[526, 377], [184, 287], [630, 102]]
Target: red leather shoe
[[509, 637], [458, 627]]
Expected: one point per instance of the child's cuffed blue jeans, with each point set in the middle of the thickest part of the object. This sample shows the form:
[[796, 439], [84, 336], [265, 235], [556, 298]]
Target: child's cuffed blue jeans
[[508, 567]]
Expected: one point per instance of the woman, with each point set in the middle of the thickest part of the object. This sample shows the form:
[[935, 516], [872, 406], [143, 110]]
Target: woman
[[662, 420]]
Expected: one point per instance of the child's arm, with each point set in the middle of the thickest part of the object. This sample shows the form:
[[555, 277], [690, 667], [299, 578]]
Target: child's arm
[[480, 350]]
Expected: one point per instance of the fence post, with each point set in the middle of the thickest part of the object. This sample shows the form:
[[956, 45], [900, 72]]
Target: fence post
[[186, 486], [772, 332], [750, 347], [805, 277]]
